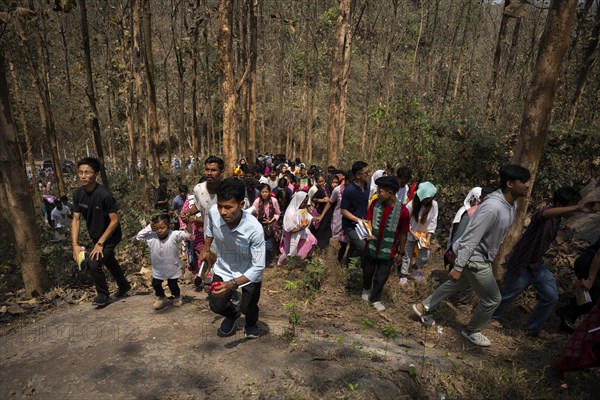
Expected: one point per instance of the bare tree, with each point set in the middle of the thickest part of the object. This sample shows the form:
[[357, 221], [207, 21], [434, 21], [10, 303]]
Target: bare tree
[[90, 91], [588, 61], [228, 93], [40, 83], [15, 200], [151, 91], [336, 118], [538, 106], [37, 198]]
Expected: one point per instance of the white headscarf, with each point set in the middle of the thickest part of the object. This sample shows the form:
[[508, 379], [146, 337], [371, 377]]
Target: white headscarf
[[311, 192], [376, 175], [474, 194], [291, 219]]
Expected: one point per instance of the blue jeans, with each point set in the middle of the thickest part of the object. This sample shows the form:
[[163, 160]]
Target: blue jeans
[[545, 287]]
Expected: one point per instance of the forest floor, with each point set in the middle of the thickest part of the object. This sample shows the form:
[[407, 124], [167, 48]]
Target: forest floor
[[339, 347]]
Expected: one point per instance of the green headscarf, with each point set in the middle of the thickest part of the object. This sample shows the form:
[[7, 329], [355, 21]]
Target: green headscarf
[[426, 190]]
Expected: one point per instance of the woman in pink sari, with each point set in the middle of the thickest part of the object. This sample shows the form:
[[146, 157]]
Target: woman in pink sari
[[297, 240], [194, 246]]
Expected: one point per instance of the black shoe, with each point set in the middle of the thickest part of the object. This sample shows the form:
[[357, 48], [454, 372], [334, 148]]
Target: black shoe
[[566, 325], [198, 284], [122, 292], [228, 326], [252, 332], [101, 300]]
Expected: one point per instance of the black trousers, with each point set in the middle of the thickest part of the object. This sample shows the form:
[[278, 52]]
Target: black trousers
[[357, 245], [227, 307], [375, 275], [160, 291], [111, 263], [582, 269]]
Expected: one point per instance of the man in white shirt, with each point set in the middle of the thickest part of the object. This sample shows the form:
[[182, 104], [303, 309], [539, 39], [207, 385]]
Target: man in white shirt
[[240, 246], [59, 216], [205, 193]]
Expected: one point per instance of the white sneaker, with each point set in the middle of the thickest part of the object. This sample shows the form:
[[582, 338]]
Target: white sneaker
[[477, 338], [365, 295], [378, 306]]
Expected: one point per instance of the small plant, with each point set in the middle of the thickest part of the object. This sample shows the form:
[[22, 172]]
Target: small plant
[[293, 318], [412, 371], [353, 387], [290, 285], [315, 272], [340, 339], [390, 332], [367, 323]]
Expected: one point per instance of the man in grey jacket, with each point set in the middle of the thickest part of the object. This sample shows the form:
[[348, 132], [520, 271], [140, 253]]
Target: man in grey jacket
[[477, 249]]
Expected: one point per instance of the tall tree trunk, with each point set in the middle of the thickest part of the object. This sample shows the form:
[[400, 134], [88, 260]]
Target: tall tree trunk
[[588, 61], [151, 91], [511, 59], [336, 83], [253, 27], [67, 67], [90, 91], [168, 109], [228, 95], [414, 63], [15, 200], [538, 106], [139, 96], [244, 93], [489, 114], [37, 196], [175, 12], [39, 80]]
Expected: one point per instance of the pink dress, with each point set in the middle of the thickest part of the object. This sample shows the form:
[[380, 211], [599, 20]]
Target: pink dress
[[336, 221], [297, 243], [198, 232]]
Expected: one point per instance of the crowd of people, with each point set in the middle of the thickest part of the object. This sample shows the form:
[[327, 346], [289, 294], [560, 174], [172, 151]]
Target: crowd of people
[[274, 209]]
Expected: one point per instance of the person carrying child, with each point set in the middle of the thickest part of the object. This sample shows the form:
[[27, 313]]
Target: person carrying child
[[164, 253]]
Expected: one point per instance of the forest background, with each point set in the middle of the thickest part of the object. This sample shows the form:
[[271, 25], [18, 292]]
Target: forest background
[[440, 86], [453, 89]]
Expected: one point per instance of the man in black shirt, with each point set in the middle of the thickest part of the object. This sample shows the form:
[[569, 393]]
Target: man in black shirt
[[98, 207], [161, 197]]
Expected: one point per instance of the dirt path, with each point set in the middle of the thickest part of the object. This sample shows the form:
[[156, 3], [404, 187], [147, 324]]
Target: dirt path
[[129, 351]]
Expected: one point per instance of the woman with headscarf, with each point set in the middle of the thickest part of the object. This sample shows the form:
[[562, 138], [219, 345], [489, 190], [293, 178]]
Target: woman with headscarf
[[297, 240], [373, 192], [336, 220], [423, 222]]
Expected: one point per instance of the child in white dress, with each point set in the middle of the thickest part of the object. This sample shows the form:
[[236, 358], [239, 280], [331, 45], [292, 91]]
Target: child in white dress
[[164, 253]]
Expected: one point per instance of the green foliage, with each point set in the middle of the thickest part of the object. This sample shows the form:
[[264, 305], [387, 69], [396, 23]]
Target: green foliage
[[292, 309], [331, 15], [390, 332], [315, 273], [291, 285]]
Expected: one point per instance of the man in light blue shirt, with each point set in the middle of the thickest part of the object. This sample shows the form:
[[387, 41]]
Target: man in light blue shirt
[[240, 247]]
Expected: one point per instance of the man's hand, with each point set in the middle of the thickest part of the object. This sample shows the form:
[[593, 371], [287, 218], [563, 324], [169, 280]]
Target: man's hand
[[96, 252], [222, 289], [587, 207], [76, 250], [451, 257], [454, 274], [584, 283]]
